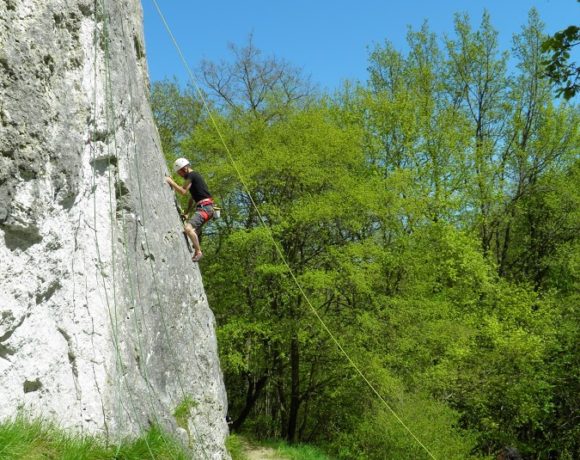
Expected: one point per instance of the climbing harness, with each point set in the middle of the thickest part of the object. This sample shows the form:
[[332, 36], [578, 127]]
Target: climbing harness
[[204, 202], [201, 206]]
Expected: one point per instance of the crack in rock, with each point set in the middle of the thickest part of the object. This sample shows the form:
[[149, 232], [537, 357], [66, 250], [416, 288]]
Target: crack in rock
[[6, 350]]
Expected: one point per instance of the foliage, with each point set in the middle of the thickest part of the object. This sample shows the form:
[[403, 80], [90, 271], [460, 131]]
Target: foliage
[[379, 435], [564, 74], [25, 439], [177, 112], [297, 451], [183, 411], [235, 447], [430, 217]]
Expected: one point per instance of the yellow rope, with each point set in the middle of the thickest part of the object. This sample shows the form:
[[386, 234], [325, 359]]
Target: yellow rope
[[278, 250]]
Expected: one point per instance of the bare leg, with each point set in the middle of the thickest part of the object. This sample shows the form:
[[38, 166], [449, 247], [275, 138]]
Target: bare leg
[[190, 231]]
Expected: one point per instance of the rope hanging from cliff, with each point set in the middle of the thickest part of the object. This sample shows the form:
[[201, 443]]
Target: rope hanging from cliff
[[166, 336], [109, 112], [153, 270], [110, 123], [275, 243]]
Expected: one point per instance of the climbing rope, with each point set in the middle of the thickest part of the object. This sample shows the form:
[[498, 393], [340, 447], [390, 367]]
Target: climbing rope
[[109, 115], [110, 122], [95, 226], [275, 243], [166, 335], [156, 283]]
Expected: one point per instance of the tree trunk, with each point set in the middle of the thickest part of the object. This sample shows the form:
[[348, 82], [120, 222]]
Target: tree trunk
[[295, 389], [252, 395]]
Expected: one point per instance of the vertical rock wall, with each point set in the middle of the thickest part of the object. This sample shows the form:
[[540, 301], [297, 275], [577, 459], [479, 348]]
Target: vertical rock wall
[[104, 324]]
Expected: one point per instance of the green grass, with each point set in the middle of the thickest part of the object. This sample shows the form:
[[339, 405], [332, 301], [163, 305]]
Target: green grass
[[282, 449], [183, 411], [299, 452], [22, 439], [235, 447]]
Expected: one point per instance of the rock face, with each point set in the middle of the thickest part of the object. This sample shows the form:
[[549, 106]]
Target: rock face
[[104, 324]]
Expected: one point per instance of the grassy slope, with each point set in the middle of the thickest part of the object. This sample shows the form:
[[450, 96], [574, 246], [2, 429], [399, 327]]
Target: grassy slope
[[22, 439]]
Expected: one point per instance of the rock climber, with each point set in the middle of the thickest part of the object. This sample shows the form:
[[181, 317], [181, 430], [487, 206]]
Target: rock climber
[[204, 205]]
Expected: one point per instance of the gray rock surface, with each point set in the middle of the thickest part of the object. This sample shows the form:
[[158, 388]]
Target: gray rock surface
[[104, 324]]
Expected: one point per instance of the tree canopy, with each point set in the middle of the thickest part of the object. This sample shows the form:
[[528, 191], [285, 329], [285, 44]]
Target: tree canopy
[[430, 215]]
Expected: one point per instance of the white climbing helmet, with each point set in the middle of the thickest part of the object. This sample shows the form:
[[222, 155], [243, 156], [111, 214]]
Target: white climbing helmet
[[180, 163]]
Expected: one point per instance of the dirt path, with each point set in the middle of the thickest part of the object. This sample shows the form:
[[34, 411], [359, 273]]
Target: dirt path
[[260, 453]]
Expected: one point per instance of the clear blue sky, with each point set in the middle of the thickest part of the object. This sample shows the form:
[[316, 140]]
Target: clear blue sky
[[328, 39]]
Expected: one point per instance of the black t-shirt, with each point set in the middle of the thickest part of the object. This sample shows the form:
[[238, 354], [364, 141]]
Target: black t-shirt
[[198, 187]]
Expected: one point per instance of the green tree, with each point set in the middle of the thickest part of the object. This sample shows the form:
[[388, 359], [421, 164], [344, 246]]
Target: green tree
[[563, 73], [300, 173], [177, 112], [508, 136], [431, 216], [539, 138], [477, 84]]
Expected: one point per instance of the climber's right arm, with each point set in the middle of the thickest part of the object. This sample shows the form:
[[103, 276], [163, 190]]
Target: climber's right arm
[[175, 186]]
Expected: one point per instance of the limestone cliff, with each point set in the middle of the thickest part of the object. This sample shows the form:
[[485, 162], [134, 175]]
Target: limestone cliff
[[104, 324]]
